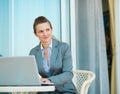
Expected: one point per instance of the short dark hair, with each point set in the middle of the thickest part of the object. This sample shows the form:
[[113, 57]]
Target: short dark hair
[[40, 20]]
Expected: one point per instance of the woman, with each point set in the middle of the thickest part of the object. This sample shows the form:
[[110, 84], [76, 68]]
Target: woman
[[53, 58]]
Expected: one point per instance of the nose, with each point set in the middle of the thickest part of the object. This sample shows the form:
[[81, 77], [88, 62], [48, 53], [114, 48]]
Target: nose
[[45, 33]]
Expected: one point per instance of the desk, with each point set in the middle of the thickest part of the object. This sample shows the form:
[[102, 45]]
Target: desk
[[26, 88]]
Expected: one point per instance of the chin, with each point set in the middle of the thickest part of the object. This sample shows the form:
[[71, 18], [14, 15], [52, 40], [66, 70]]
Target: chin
[[46, 41]]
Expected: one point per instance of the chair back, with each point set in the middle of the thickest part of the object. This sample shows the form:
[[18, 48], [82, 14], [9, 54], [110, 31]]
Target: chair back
[[82, 80]]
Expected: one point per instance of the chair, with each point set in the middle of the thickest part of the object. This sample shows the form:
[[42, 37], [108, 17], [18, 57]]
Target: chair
[[82, 80]]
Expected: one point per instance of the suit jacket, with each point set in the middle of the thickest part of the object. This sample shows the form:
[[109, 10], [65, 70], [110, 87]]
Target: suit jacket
[[60, 66]]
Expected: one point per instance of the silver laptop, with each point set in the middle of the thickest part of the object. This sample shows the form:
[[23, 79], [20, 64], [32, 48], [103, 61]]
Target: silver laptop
[[19, 70]]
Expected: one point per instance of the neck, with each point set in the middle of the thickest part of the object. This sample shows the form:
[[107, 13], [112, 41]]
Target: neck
[[46, 45]]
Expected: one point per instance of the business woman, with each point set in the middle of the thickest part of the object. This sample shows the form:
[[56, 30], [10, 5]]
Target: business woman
[[53, 58]]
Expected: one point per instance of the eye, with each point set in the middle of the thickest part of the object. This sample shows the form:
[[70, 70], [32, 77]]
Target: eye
[[41, 31], [48, 29]]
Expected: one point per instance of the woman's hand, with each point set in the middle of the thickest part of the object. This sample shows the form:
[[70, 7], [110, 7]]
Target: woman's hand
[[45, 80]]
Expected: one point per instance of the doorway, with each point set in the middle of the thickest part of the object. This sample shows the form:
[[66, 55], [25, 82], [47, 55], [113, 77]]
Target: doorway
[[106, 17]]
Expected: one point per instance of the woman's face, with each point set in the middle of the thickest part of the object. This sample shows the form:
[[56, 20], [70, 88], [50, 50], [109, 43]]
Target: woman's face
[[44, 32]]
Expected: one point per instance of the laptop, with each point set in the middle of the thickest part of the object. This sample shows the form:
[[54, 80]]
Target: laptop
[[19, 70]]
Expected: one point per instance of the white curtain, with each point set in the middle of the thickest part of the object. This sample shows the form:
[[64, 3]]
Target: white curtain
[[117, 30], [90, 41]]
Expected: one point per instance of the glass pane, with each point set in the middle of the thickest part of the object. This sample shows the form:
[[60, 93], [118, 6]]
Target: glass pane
[[25, 11], [16, 23], [4, 27]]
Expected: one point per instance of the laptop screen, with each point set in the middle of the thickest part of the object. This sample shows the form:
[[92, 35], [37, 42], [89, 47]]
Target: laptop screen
[[19, 70]]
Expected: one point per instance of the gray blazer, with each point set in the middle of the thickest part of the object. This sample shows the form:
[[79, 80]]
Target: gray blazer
[[60, 67]]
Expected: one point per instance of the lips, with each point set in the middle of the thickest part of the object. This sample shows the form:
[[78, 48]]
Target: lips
[[45, 37]]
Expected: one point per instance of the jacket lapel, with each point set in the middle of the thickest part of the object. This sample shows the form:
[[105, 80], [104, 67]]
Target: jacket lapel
[[39, 58], [54, 52]]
